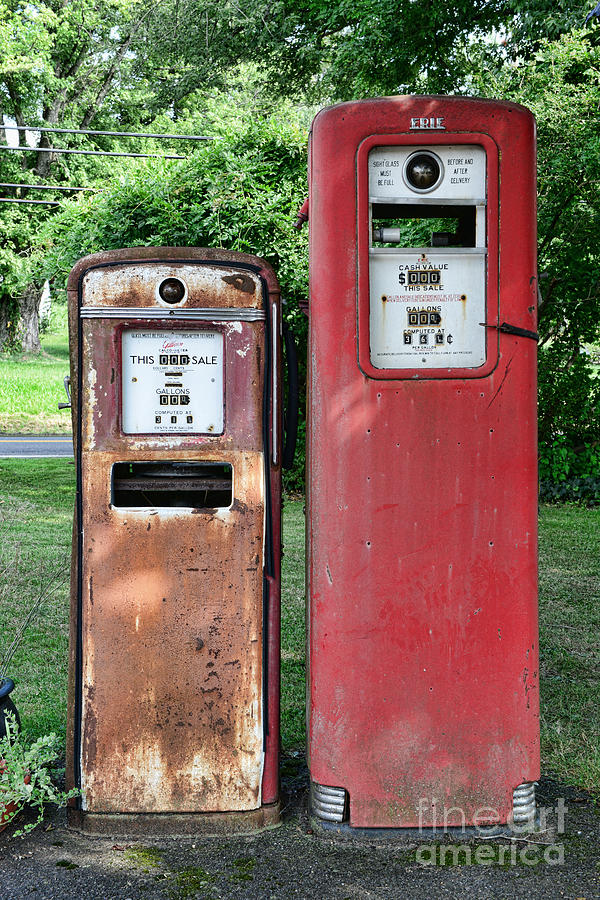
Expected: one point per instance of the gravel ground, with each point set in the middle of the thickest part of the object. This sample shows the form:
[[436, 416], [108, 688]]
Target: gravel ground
[[294, 860]]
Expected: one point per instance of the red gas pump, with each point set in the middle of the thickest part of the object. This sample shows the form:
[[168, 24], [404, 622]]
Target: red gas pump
[[422, 479]]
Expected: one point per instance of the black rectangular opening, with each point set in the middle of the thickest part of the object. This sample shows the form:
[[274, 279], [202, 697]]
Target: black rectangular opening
[[411, 225], [195, 485]]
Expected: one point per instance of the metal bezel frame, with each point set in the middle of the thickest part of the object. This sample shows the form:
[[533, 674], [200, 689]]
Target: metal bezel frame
[[424, 152]]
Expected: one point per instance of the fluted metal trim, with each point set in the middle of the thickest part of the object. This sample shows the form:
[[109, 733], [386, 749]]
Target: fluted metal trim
[[207, 314], [524, 803], [328, 803]]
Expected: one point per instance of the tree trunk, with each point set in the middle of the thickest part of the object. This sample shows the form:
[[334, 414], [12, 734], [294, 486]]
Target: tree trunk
[[5, 318], [51, 116], [29, 326]]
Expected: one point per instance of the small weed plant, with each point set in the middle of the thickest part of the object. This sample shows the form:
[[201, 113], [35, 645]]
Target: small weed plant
[[26, 776]]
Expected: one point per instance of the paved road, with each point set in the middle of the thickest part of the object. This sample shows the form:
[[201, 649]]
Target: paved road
[[32, 445]]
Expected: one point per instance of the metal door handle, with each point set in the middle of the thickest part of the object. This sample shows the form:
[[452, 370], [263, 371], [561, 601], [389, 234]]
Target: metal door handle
[[67, 384]]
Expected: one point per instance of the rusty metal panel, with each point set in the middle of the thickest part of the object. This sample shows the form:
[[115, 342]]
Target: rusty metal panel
[[135, 285], [243, 363], [422, 502], [177, 711], [172, 626]]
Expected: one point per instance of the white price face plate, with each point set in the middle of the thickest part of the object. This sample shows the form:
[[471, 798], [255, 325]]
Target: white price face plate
[[462, 175], [172, 382], [426, 309]]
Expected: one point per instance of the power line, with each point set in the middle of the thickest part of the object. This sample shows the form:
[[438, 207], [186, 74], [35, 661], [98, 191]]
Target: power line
[[45, 187], [16, 200], [59, 150], [170, 137], [86, 152]]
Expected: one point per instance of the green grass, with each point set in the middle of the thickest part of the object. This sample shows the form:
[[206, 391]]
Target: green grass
[[31, 386], [36, 509], [293, 628], [36, 502], [570, 654]]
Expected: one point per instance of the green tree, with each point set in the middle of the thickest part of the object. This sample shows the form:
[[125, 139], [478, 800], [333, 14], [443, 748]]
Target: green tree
[[561, 85], [240, 192], [106, 65], [58, 61], [326, 49], [64, 62], [530, 24]]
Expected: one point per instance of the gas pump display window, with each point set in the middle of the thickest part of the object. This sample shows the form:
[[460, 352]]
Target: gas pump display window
[[172, 382], [427, 257], [164, 484]]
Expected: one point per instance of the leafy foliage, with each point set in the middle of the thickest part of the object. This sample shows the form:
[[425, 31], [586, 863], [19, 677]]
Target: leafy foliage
[[240, 192], [559, 461], [568, 474], [560, 83], [573, 490], [222, 69], [25, 775], [342, 49], [84, 65], [534, 22]]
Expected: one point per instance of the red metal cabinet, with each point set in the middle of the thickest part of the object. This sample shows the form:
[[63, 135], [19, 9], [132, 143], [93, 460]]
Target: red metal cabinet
[[422, 473]]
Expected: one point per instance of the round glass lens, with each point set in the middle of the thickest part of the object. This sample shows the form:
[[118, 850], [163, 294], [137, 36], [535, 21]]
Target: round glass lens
[[423, 171], [172, 290]]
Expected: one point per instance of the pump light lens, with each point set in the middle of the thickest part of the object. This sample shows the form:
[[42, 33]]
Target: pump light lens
[[423, 171], [172, 290]]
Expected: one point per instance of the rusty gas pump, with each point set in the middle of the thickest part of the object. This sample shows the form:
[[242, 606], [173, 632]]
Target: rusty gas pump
[[177, 416]]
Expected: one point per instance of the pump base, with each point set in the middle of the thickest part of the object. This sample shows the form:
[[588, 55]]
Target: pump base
[[346, 832], [144, 824]]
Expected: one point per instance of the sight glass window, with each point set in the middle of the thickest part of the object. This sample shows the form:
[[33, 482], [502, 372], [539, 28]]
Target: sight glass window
[[423, 171]]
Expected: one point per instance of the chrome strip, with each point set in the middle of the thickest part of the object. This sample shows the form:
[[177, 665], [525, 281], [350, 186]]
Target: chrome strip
[[430, 201], [274, 422], [328, 803], [433, 251], [207, 314]]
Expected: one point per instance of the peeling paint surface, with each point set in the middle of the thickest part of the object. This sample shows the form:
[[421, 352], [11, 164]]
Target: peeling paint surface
[[421, 510], [172, 598], [137, 285], [173, 663]]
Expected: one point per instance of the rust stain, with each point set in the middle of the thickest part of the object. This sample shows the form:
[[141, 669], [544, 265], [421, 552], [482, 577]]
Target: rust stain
[[149, 590], [137, 286], [241, 282], [161, 730]]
